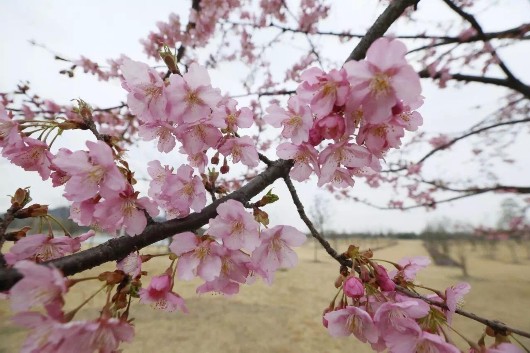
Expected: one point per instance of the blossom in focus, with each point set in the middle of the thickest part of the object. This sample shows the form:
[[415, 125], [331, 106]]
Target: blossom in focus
[[305, 159], [322, 91], [159, 293], [147, 98], [91, 172], [197, 256], [41, 247], [191, 96], [352, 320], [241, 149], [383, 79], [296, 121], [235, 226], [276, 250]]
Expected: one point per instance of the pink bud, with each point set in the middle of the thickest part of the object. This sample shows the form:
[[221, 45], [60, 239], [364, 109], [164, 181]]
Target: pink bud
[[384, 281], [353, 287]]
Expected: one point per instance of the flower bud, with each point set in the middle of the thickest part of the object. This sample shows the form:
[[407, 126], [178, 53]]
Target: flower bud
[[353, 287]]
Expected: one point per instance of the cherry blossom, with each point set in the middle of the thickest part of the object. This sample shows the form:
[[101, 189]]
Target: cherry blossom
[[159, 293], [241, 149], [91, 173], [41, 285], [235, 226], [305, 159], [296, 121], [42, 247], [197, 256], [275, 250], [384, 78], [352, 320], [191, 96]]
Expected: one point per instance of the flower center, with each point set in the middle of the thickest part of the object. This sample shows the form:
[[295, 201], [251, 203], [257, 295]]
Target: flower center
[[295, 121], [380, 84], [193, 99]]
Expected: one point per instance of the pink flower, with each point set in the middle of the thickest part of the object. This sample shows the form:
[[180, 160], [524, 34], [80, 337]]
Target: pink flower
[[399, 317], [165, 132], [181, 191], [235, 226], [9, 135], [453, 295], [241, 149], [330, 127], [32, 155], [383, 280], [197, 256], [234, 271], [275, 250], [305, 159], [131, 264], [41, 285], [353, 287], [420, 342], [296, 121], [41, 247], [199, 136], [380, 138], [46, 335], [159, 176], [382, 80], [350, 320], [146, 98], [91, 173], [406, 117], [323, 91], [191, 96], [104, 334], [125, 209], [343, 153], [411, 266], [159, 294], [234, 117]]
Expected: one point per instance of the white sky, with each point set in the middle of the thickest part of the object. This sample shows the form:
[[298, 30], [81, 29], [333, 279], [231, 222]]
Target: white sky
[[106, 29]]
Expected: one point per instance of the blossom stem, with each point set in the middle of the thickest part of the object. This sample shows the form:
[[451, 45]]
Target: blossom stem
[[390, 262], [66, 232], [471, 343], [435, 291], [72, 313], [520, 343]]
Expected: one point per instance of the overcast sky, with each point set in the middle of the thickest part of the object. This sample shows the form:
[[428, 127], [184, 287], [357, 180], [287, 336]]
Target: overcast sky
[[106, 29]]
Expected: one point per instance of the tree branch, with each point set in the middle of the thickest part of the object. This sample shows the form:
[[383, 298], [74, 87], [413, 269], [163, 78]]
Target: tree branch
[[456, 139], [380, 26]]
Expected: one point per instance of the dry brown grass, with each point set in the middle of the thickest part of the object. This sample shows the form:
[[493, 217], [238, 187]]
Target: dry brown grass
[[286, 317]]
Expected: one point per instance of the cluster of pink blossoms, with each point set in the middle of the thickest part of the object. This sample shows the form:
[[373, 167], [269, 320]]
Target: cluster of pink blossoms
[[188, 109], [353, 115], [232, 251], [51, 329], [375, 312]]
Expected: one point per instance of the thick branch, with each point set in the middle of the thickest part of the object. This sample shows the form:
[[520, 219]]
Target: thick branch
[[116, 249], [381, 25]]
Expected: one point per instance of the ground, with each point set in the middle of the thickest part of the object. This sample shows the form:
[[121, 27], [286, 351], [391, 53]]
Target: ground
[[286, 317]]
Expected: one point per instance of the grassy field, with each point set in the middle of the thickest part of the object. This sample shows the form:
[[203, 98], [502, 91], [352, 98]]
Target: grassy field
[[286, 317]]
